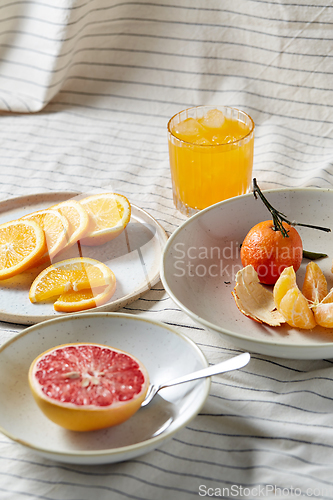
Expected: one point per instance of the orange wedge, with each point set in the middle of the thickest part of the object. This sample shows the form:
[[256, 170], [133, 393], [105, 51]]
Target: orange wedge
[[22, 243], [74, 275], [295, 308], [285, 282], [77, 217], [291, 303], [323, 312], [109, 215], [55, 227], [315, 284]]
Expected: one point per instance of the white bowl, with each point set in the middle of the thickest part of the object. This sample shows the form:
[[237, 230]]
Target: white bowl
[[202, 256], [165, 353]]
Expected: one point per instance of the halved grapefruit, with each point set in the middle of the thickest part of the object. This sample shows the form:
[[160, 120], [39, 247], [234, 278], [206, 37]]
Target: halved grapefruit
[[85, 387]]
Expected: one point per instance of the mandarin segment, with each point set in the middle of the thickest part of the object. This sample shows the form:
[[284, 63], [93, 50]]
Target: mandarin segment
[[285, 282], [291, 303], [295, 308], [315, 284]]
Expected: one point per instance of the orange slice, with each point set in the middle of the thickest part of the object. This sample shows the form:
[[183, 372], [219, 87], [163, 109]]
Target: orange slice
[[315, 284], [22, 243], [55, 227], [74, 275], [109, 215], [77, 217], [84, 299], [291, 303]]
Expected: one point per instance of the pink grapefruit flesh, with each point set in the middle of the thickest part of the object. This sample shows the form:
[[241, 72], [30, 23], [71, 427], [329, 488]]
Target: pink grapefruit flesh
[[85, 387]]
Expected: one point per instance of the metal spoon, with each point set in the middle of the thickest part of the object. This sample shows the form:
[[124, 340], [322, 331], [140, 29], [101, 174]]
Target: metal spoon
[[225, 366]]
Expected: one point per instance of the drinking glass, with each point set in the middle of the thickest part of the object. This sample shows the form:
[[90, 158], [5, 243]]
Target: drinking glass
[[213, 159]]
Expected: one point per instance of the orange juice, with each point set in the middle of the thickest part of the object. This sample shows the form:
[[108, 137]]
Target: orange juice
[[211, 156]]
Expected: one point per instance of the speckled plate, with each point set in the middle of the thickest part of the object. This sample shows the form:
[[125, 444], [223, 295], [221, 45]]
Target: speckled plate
[[165, 353], [202, 257], [134, 257]]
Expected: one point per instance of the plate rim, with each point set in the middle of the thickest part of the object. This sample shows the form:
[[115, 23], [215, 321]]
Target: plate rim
[[149, 443], [211, 326], [25, 319]]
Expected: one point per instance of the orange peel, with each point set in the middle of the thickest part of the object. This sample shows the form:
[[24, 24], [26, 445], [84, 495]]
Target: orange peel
[[254, 300]]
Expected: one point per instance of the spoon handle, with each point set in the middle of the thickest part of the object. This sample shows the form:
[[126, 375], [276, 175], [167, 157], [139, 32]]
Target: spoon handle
[[225, 366]]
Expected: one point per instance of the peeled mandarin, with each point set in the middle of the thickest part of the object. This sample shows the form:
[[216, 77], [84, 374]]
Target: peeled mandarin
[[285, 282], [315, 284], [295, 308], [323, 312]]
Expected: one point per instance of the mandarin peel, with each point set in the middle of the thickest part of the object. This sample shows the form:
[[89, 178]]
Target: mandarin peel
[[254, 300]]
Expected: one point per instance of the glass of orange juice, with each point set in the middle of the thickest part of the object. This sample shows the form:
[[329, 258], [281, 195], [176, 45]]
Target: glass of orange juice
[[211, 156]]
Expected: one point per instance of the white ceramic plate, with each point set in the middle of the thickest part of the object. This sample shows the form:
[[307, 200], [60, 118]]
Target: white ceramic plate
[[202, 257], [134, 257], [165, 353]]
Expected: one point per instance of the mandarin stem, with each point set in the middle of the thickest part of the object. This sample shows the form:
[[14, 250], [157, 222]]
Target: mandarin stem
[[278, 217]]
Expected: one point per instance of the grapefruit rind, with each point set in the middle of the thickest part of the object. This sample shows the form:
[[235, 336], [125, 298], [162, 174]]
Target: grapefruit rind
[[89, 417]]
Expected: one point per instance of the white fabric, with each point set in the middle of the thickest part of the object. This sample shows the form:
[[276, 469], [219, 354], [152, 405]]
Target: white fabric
[[86, 89]]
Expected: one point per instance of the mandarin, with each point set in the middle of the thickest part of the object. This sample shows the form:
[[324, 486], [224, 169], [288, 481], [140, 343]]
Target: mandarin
[[269, 252]]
